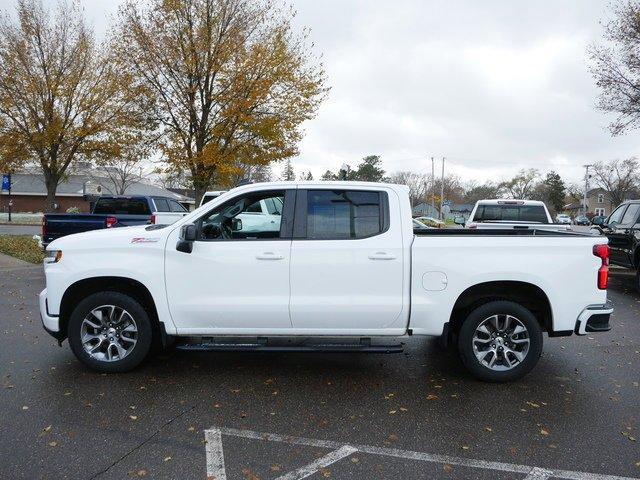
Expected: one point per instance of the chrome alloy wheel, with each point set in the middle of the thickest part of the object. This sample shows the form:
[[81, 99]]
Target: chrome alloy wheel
[[108, 333], [501, 342]]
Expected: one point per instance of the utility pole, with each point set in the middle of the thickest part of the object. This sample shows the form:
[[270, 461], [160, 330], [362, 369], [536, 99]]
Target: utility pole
[[586, 187], [433, 186], [442, 191]]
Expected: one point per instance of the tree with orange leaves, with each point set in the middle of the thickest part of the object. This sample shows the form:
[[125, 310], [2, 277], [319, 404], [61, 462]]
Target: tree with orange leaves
[[60, 93], [229, 82]]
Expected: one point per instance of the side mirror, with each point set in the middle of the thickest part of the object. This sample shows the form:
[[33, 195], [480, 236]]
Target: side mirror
[[188, 234], [236, 224], [459, 221]]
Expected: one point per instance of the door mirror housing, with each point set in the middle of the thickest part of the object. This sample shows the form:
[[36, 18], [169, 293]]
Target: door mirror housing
[[188, 235], [459, 221], [236, 224]]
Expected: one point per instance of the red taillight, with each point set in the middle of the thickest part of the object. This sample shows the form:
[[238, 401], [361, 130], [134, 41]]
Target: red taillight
[[152, 219], [111, 222], [602, 252], [44, 226]]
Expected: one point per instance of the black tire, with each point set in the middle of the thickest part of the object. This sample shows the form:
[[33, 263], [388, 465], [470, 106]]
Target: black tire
[[144, 332], [477, 316], [638, 279]]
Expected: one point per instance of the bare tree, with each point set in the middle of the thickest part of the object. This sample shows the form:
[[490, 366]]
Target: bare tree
[[522, 185], [615, 66], [618, 177], [418, 184]]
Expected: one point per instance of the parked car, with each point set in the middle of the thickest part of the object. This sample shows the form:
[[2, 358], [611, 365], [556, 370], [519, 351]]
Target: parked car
[[598, 220], [581, 220], [563, 218], [512, 214], [112, 211], [417, 224], [345, 263], [622, 228], [431, 222]]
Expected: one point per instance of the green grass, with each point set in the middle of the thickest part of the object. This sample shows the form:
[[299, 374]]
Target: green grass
[[21, 246]]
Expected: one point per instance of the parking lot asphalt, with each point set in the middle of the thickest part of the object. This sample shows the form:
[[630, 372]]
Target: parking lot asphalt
[[266, 415]]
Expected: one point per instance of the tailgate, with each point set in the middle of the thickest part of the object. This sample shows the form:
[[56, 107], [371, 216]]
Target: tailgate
[[56, 226]]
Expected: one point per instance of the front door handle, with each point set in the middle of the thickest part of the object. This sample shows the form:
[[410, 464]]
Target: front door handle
[[382, 256], [269, 256]]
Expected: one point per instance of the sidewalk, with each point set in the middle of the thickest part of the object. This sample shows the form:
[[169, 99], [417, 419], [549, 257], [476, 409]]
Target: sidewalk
[[10, 263]]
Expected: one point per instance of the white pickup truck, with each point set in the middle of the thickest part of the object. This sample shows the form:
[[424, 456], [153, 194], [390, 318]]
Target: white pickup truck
[[343, 272], [512, 214]]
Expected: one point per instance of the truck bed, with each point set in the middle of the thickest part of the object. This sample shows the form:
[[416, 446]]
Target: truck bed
[[500, 232]]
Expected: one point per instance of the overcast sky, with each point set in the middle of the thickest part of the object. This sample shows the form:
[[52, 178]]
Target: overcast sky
[[494, 86]]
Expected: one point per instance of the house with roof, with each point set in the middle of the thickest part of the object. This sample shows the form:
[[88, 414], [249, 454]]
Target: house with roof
[[598, 203], [29, 193]]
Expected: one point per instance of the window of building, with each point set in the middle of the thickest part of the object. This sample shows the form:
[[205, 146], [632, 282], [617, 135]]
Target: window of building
[[601, 198]]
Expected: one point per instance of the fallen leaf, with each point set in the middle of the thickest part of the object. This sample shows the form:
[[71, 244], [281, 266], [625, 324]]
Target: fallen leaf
[[276, 468], [166, 459], [488, 429], [133, 417], [191, 429], [543, 432], [392, 412], [432, 397], [53, 444], [446, 467], [25, 407]]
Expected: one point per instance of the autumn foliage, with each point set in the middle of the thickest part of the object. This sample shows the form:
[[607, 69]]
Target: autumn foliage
[[228, 83]]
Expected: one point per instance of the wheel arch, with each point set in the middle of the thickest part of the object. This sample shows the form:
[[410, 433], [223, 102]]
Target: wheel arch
[[81, 289], [526, 294]]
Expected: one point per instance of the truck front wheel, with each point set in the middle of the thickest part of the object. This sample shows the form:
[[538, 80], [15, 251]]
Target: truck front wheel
[[500, 341], [110, 332]]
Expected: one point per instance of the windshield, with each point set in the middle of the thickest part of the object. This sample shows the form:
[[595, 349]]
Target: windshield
[[511, 213]]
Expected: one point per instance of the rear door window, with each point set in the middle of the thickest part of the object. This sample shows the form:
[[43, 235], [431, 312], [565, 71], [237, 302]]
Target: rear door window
[[122, 206], [176, 207], [344, 214], [161, 204]]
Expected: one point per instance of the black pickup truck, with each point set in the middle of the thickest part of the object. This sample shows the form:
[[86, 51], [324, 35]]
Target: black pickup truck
[[622, 228], [112, 211]]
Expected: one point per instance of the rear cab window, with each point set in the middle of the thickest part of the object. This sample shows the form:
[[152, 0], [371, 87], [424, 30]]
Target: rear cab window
[[510, 213], [122, 206]]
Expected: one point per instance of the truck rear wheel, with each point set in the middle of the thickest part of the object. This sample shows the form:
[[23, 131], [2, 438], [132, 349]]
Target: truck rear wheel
[[500, 341], [110, 332]]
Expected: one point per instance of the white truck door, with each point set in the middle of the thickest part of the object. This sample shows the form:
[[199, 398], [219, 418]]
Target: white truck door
[[346, 261], [235, 278]]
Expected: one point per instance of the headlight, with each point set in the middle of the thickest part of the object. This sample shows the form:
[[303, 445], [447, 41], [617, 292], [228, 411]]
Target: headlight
[[53, 256]]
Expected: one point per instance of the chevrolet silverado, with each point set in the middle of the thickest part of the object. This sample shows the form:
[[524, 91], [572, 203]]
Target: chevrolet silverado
[[343, 271]]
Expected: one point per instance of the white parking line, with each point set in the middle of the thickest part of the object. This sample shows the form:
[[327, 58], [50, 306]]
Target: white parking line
[[322, 462], [531, 472], [215, 455], [538, 474]]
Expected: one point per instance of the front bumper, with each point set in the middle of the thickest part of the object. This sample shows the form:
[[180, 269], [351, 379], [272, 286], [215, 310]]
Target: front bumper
[[594, 319], [51, 323]]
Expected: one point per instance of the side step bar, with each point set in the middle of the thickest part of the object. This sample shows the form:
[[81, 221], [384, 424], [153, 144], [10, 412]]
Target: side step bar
[[262, 345]]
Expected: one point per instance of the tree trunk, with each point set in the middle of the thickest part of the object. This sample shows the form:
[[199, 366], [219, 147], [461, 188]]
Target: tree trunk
[[51, 182]]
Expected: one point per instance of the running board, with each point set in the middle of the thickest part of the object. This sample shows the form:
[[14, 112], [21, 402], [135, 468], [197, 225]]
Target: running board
[[262, 345]]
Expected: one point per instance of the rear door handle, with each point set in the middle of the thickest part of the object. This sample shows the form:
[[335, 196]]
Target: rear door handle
[[269, 256], [381, 256]]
